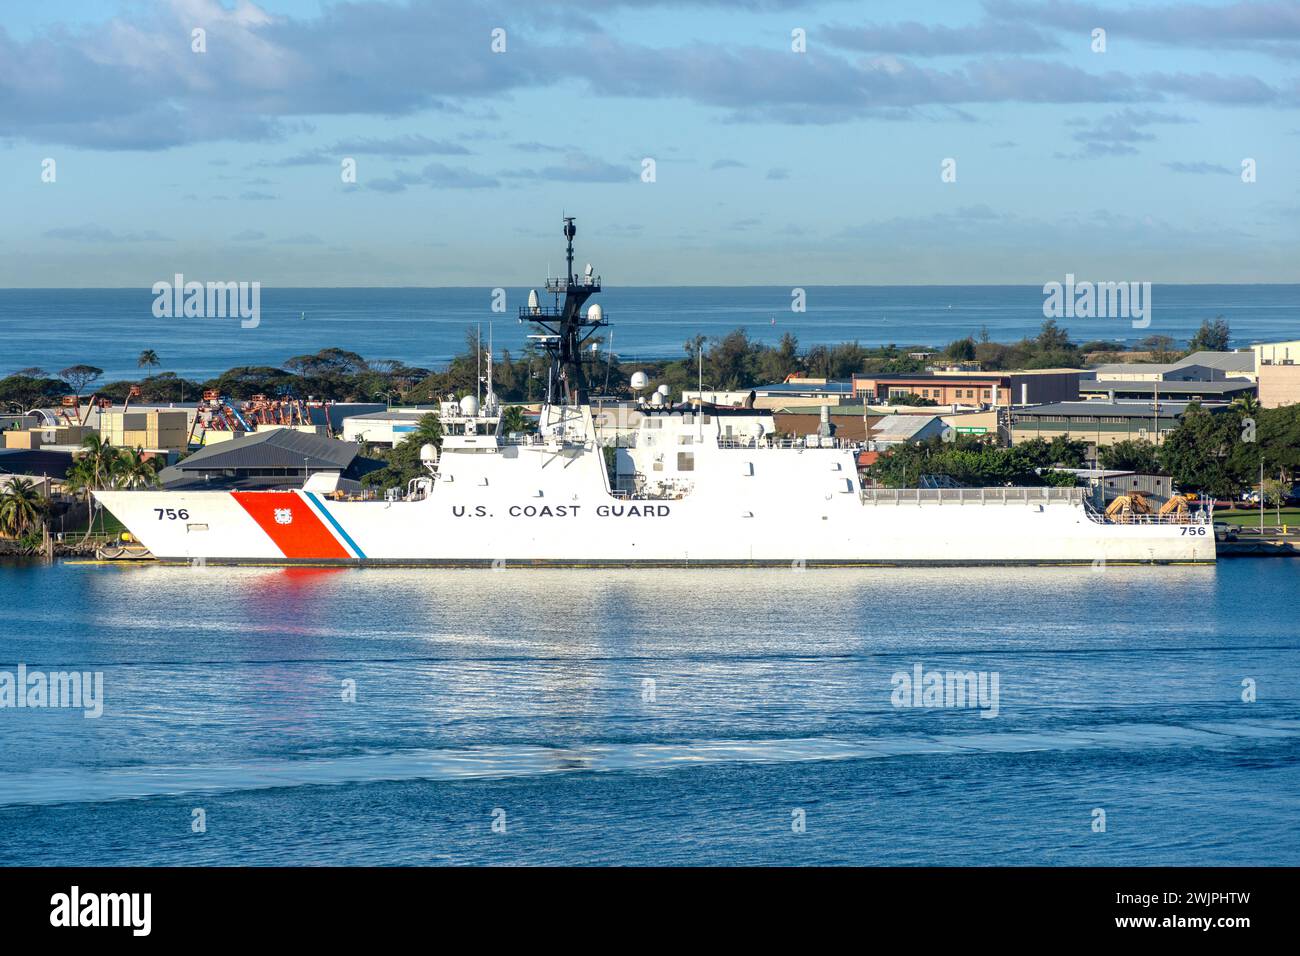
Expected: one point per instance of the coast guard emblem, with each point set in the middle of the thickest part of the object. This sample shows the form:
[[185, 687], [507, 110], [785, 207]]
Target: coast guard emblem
[[284, 516]]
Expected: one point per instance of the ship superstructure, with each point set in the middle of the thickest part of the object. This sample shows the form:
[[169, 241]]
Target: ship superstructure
[[683, 485]]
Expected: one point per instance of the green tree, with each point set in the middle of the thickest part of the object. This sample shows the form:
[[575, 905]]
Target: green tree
[[969, 461], [1102, 345], [100, 459], [22, 507], [403, 462], [148, 359], [1067, 452], [1248, 404], [79, 376], [1053, 338], [21, 392], [1211, 336], [728, 363], [81, 481], [428, 431], [513, 420], [1278, 434], [1130, 455], [1206, 452], [1058, 479], [962, 350], [775, 364], [1160, 347], [911, 399], [248, 380], [131, 469]]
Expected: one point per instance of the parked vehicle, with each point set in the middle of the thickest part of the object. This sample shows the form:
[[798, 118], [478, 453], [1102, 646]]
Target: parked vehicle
[[1225, 532]]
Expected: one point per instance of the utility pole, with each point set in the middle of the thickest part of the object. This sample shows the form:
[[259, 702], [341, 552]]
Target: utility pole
[[1155, 414], [699, 409], [1279, 497]]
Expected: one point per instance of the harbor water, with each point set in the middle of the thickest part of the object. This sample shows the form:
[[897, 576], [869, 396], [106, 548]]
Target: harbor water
[[1128, 715]]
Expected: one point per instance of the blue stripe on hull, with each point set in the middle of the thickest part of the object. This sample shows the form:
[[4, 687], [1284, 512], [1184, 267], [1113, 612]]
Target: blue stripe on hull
[[334, 522]]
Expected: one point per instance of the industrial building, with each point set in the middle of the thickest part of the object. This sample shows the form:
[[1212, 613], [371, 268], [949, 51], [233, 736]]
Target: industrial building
[[93, 415], [1240, 364], [1102, 423], [35, 437], [1197, 367], [384, 427], [158, 430], [848, 422], [801, 391], [1279, 385], [903, 429], [1276, 353], [45, 467], [1115, 482], [994, 389], [1193, 390]]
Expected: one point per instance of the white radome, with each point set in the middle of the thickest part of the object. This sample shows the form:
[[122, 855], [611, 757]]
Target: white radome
[[595, 313], [639, 381], [469, 406]]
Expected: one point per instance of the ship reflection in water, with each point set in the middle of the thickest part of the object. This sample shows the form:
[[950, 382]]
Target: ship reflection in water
[[656, 716]]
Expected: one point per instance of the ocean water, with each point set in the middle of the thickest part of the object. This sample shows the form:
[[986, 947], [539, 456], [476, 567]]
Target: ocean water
[[55, 328], [654, 717]]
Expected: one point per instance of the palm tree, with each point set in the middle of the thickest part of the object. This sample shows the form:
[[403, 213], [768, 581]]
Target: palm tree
[[428, 431], [100, 456], [92, 471], [513, 420], [131, 469], [148, 359], [1248, 404], [21, 507]]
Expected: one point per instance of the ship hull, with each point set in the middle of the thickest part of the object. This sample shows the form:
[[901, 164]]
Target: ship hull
[[296, 527]]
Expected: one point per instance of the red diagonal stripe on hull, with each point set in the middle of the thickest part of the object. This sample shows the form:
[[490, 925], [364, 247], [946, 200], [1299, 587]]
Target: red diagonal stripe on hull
[[304, 536]]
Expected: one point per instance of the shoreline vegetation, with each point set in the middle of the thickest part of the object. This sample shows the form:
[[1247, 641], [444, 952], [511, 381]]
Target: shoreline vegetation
[[1217, 453], [730, 362]]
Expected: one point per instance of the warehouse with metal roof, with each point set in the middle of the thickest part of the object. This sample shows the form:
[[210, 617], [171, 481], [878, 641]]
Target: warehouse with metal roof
[[280, 458], [1103, 423], [1224, 390]]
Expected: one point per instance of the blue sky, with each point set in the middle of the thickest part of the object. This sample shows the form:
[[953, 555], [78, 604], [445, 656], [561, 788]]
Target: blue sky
[[772, 167]]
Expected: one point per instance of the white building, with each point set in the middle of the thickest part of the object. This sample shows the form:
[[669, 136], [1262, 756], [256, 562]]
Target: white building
[[899, 429], [390, 427]]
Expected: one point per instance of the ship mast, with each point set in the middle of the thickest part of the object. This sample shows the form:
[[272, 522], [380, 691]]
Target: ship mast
[[567, 329]]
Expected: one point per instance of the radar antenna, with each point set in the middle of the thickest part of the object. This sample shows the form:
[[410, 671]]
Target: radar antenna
[[567, 330]]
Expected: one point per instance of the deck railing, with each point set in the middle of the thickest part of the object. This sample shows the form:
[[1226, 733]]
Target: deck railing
[[1026, 496], [734, 441], [960, 496], [1190, 517]]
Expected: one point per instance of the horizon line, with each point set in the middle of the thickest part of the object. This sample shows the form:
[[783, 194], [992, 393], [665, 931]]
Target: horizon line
[[779, 285]]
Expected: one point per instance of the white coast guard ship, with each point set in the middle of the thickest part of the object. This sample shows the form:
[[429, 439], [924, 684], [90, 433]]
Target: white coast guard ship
[[689, 486]]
